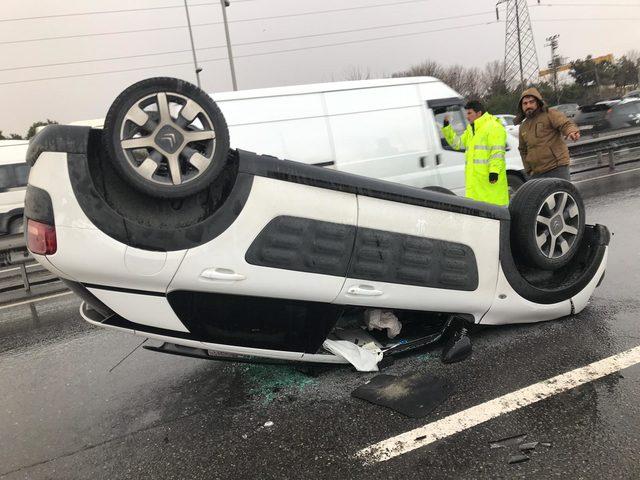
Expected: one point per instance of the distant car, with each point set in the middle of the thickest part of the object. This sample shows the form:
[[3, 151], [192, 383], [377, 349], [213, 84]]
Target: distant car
[[13, 185], [166, 232], [507, 121], [569, 109], [609, 116], [632, 94]]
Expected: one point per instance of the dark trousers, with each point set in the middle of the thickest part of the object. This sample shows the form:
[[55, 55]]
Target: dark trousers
[[558, 172]]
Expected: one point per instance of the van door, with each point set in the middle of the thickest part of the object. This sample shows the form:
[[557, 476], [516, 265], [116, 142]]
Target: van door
[[451, 162], [382, 133]]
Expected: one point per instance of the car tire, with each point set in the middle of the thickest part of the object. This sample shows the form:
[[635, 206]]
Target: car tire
[[439, 189], [166, 137], [547, 223], [514, 181], [16, 226]]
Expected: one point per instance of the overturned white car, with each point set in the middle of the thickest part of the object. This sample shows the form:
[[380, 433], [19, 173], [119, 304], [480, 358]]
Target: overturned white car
[[167, 233]]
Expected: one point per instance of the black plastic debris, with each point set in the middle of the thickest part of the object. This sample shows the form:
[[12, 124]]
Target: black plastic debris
[[458, 348], [517, 448], [508, 441], [518, 458], [528, 446], [414, 395]]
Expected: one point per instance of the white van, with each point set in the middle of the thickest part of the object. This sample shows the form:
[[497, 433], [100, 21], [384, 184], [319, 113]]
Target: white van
[[387, 129], [13, 185]]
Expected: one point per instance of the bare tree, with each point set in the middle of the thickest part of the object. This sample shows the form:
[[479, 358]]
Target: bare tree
[[428, 68], [357, 73], [493, 78]]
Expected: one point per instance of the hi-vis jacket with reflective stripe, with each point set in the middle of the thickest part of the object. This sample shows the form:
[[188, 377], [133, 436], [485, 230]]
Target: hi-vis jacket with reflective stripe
[[485, 143]]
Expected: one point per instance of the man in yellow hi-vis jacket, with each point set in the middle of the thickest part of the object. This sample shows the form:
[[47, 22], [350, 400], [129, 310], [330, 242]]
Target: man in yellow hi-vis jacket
[[485, 143]]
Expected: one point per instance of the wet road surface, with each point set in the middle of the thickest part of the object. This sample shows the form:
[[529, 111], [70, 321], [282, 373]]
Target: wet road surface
[[70, 410]]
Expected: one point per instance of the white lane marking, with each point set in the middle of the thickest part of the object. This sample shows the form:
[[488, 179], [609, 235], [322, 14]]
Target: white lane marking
[[34, 300], [606, 176], [458, 422]]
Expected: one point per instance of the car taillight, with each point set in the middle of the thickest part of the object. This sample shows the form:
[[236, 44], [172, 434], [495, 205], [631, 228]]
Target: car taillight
[[41, 238], [609, 112]]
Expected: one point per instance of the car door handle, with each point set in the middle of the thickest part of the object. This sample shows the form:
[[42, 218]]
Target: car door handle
[[364, 291], [223, 274], [422, 161], [438, 159]]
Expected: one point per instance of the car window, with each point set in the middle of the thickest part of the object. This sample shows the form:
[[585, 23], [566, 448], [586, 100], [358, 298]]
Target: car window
[[13, 176], [507, 121], [457, 118]]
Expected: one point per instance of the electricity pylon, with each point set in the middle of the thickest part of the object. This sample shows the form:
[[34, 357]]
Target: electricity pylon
[[520, 58]]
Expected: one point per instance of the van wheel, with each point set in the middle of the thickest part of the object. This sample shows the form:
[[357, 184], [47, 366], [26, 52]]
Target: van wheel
[[515, 181], [436, 188], [547, 223], [166, 137], [16, 226]]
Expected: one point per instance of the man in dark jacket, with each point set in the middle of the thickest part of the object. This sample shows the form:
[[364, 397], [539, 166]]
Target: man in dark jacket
[[542, 148]]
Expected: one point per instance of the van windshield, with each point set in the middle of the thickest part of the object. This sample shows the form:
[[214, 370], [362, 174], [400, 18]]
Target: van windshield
[[13, 176]]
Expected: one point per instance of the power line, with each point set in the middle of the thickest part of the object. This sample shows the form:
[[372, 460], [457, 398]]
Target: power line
[[102, 12], [354, 30], [156, 29], [65, 37], [316, 12], [299, 37], [584, 5], [104, 72], [193, 5], [584, 19], [386, 37], [77, 62]]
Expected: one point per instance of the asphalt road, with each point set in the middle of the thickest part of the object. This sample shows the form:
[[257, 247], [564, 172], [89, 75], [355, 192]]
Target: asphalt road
[[72, 409]]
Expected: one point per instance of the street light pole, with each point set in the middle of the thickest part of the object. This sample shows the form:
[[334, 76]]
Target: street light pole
[[225, 3], [193, 48]]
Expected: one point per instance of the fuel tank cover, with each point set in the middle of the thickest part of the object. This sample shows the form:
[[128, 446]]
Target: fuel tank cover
[[144, 262]]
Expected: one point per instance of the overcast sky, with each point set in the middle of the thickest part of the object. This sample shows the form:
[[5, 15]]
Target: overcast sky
[[603, 27]]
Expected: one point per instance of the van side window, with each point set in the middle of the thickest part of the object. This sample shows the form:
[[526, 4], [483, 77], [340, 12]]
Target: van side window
[[13, 176], [457, 119], [379, 134]]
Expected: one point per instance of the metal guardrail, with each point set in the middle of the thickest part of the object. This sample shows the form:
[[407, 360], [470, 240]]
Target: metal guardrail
[[13, 250], [606, 142], [22, 279], [605, 151]]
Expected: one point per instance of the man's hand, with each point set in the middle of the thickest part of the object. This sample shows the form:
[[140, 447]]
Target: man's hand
[[573, 136], [493, 177]]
